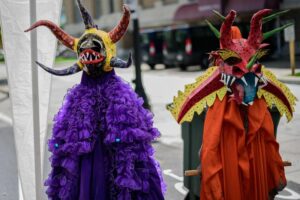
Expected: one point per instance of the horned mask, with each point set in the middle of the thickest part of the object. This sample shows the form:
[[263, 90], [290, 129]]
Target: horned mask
[[96, 49], [236, 72], [238, 58]]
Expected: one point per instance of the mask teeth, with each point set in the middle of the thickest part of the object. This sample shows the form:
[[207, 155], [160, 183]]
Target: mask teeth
[[244, 80], [244, 104], [264, 81], [250, 103], [232, 81], [256, 81], [228, 80], [222, 78]]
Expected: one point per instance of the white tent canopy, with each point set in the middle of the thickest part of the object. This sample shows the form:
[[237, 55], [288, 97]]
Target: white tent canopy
[[15, 18]]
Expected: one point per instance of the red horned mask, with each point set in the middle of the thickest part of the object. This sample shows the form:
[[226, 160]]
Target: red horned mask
[[238, 58]]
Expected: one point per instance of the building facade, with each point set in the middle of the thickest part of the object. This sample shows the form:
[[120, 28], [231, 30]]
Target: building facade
[[152, 13], [163, 13]]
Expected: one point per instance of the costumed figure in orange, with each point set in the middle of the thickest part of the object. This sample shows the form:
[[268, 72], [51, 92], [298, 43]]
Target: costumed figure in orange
[[239, 157]]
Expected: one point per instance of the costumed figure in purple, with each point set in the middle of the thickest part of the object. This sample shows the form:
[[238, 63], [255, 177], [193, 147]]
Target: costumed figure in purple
[[101, 142]]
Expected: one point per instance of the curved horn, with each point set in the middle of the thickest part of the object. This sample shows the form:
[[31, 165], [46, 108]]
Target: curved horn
[[213, 29], [255, 35], [118, 63], [64, 72], [62, 36], [116, 33], [87, 19], [225, 33]]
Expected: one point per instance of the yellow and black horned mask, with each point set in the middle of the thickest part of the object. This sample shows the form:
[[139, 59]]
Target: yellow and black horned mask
[[96, 49]]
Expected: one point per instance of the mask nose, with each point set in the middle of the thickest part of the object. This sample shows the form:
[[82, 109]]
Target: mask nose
[[87, 44], [250, 87]]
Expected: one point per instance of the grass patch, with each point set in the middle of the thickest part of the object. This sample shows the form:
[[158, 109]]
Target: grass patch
[[297, 74], [1, 58], [63, 60]]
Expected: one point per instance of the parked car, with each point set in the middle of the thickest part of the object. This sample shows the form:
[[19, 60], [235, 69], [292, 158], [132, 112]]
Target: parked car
[[186, 46], [151, 45]]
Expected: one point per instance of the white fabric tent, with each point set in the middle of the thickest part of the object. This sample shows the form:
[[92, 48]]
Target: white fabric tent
[[15, 18]]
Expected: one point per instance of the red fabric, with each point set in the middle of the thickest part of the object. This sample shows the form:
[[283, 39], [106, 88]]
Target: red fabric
[[236, 165]]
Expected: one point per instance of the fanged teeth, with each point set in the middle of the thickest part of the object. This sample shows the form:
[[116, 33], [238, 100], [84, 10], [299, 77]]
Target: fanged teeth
[[250, 103], [228, 79], [263, 79], [232, 81], [225, 79], [256, 81], [244, 80], [89, 56], [222, 78]]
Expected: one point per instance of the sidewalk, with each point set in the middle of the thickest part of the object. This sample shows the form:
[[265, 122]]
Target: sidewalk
[[283, 72]]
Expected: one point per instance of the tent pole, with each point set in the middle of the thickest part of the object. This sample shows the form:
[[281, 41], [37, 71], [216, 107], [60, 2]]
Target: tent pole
[[35, 104]]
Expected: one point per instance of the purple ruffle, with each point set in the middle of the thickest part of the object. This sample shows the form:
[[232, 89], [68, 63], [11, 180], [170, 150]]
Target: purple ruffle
[[106, 106]]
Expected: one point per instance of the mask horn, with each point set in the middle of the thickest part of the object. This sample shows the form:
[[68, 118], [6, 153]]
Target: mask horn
[[255, 35], [225, 33], [118, 63], [273, 32], [273, 16], [213, 29], [219, 15], [87, 19], [62, 36], [64, 72], [117, 33]]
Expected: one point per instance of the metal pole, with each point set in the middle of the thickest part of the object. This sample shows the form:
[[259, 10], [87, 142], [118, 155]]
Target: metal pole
[[139, 89], [35, 104]]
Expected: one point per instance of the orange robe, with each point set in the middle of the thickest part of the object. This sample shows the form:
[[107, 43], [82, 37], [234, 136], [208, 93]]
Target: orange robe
[[239, 165]]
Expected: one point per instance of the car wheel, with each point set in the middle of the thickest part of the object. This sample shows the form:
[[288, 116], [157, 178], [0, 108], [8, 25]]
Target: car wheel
[[183, 67], [152, 66], [168, 66]]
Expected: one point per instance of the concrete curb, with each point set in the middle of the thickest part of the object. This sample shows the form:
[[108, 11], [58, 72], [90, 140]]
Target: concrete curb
[[290, 80]]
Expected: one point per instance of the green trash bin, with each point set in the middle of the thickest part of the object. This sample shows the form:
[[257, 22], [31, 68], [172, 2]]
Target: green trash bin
[[192, 140]]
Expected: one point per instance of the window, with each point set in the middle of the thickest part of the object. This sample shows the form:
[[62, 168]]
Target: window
[[111, 6], [146, 3], [77, 15], [97, 8], [169, 1]]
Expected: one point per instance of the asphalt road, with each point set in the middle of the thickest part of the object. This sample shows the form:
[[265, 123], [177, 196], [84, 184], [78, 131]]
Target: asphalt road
[[161, 86]]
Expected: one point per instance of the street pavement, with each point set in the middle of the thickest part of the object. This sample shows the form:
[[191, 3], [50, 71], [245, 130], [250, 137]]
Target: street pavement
[[161, 85]]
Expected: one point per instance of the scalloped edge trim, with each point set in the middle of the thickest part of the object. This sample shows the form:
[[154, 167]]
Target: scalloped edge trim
[[272, 100], [208, 100]]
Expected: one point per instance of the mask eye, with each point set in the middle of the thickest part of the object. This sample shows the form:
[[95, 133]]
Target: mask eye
[[232, 60], [229, 57], [97, 43]]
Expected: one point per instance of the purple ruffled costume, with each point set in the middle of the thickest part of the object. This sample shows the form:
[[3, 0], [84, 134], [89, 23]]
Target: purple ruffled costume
[[101, 145]]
